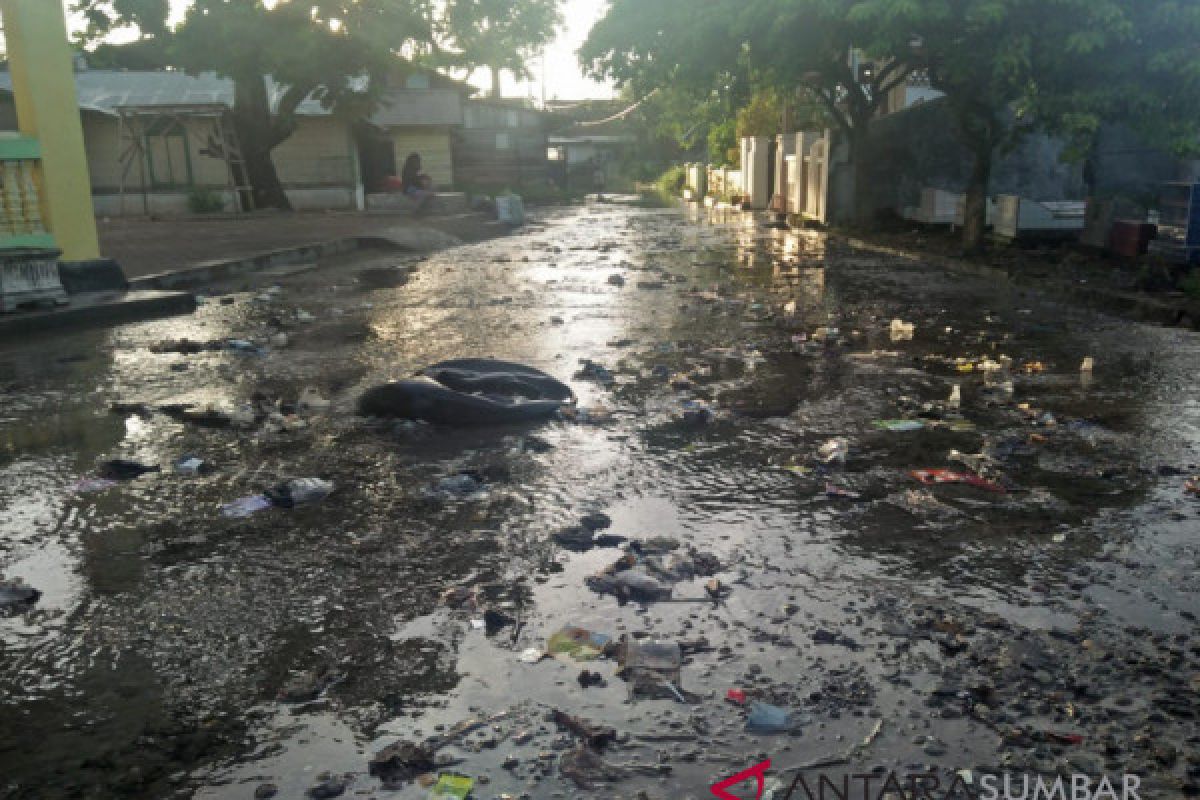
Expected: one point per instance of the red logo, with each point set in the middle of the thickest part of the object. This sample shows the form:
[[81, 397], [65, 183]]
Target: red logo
[[758, 772]]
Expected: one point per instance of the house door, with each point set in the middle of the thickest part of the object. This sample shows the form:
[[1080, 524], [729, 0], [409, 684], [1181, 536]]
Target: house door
[[376, 156]]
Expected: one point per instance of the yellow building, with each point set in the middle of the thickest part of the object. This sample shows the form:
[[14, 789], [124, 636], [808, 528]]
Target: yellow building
[[45, 200]]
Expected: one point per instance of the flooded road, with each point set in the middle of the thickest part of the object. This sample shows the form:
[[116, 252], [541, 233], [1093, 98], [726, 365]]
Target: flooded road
[[757, 407]]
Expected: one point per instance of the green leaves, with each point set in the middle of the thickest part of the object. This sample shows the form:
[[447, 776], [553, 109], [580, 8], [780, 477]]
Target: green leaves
[[501, 34]]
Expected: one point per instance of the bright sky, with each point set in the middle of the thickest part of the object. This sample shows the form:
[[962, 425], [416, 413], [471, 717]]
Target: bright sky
[[560, 72], [563, 78]]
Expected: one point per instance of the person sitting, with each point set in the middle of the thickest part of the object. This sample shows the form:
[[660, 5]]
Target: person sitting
[[412, 183]]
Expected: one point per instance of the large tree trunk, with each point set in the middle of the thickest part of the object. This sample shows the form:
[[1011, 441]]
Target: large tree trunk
[[258, 136], [864, 208], [975, 211], [495, 81]]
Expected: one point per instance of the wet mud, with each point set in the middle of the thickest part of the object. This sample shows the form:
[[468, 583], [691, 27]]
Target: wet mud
[[748, 422]]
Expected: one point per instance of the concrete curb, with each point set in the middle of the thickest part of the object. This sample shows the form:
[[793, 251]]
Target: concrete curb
[[212, 271], [1174, 313], [95, 309], [409, 239]]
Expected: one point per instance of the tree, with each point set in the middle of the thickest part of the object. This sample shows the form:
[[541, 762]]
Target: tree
[[783, 45], [277, 56], [500, 34], [1149, 82], [280, 53], [997, 61]]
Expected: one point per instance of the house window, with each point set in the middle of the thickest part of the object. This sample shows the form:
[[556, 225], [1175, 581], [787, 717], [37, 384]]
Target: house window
[[514, 119], [503, 142], [417, 80], [168, 159]]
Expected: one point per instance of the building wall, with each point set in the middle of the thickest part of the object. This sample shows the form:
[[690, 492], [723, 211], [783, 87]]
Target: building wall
[[316, 164], [919, 147], [434, 147], [499, 146], [319, 155]]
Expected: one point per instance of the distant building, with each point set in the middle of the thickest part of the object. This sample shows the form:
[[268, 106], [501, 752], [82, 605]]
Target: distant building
[[157, 140]]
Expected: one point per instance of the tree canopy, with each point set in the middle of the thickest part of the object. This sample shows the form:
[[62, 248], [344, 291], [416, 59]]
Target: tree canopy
[[500, 35], [340, 51], [1007, 67]]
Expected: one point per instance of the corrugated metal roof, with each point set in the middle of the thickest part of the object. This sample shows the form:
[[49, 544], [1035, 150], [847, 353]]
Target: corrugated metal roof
[[419, 107], [104, 91]]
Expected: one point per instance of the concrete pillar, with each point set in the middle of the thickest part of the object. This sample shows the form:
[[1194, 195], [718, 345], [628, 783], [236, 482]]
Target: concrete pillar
[[43, 78]]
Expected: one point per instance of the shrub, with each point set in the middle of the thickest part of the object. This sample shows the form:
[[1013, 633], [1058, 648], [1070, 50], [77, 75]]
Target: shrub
[[205, 201], [671, 182], [1190, 284]]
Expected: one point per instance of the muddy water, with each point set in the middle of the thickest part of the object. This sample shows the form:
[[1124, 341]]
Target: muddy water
[[954, 626]]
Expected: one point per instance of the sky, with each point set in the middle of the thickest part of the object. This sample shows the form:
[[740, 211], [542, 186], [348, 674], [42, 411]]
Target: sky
[[563, 78]]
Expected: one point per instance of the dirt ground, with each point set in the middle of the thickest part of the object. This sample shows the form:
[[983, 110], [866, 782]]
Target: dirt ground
[[147, 246], [879, 518]]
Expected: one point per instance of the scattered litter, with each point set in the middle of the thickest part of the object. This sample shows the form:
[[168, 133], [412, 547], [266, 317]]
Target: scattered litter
[[119, 469], [16, 594], [185, 346], [736, 696], [595, 737], [660, 656], [652, 668], [460, 485], [470, 392], [932, 477], [452, 786], [955, 400], [495, 621], [823, 636], [696, 413], [192, 465], [298, 492], [579, 643], [1088, 364], [589, 415], [591, 371], [616, 280], [328, 788], [245, 506], [244, 346], [400, 762], [1062, 738], [589, 679], [834, 450], [86, 485], [902, 331], [899, 425], [766, 718], [839, 493], [630, 584], [531, 655], [311, 400]]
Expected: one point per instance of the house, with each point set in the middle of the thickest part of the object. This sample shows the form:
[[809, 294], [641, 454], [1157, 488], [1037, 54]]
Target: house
[[592, 134], [502, 143], [161, 142], [420, 112], [154, 142]]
